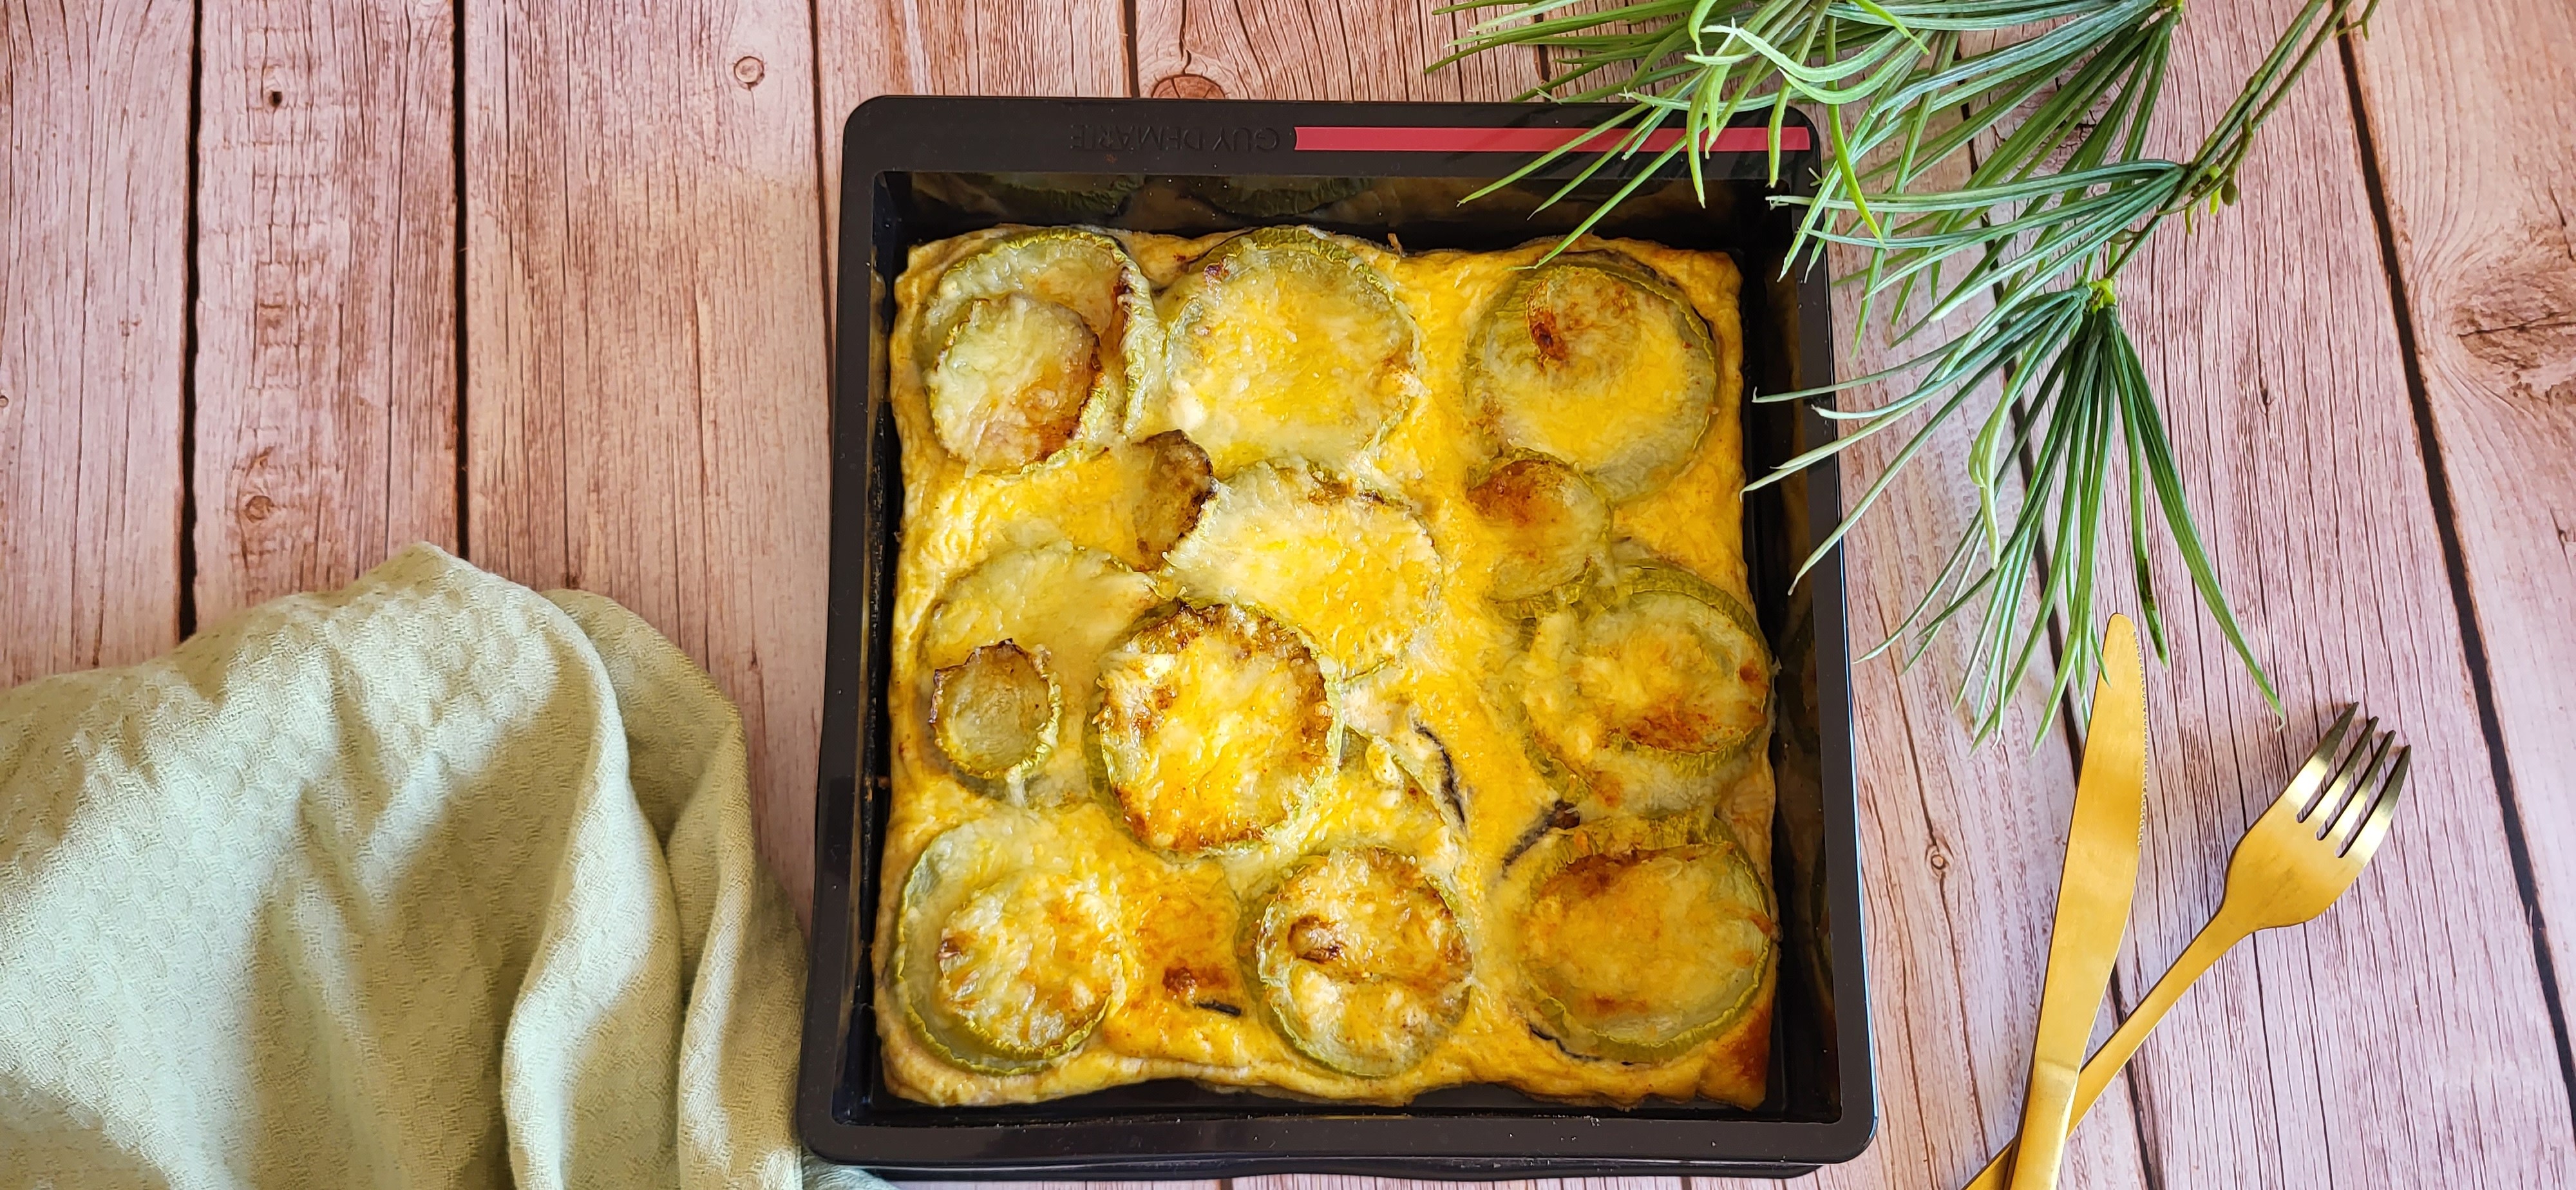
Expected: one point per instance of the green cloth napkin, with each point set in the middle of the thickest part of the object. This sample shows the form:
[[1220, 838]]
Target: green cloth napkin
[[429, 881]]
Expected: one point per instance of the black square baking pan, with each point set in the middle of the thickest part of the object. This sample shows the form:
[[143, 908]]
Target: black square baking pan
[[920, 169]]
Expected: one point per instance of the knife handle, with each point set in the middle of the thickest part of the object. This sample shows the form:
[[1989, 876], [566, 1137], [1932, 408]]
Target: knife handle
[[2048, 1116], [2213, 940]]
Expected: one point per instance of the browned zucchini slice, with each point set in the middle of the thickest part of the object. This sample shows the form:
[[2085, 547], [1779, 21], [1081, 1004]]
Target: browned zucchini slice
[[1285, 343], [1355, 572], [1638, 940], [1647, 695], [1213, 727], [1012, 381], [1007, 952], [1553, 522], [1060, 603], [1394, 730], [1594, 361], [1172, 484], [994, 713], [1359, 959], [1034, 343]]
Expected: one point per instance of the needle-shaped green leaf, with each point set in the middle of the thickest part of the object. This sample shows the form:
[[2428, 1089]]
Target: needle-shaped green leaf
[[2053, 109]]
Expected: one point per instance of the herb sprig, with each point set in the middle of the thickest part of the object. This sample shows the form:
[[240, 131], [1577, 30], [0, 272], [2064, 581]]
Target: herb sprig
[[2055, 98]]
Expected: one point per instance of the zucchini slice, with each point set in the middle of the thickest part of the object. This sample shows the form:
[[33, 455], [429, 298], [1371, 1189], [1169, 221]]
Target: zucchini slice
[[1006, 952], [1354, 571], [994, 713], [1012, 381], [1638, 940], [1034, 343], [1646, 696], [1173, 483], [1359, 960], [1058, 602], [1553, 523], [1285, 343], [1394, 728], [1594, 361], [1425, 758], [1213, 727]]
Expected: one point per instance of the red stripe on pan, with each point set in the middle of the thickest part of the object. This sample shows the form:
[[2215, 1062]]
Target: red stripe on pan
[[1351, 139]]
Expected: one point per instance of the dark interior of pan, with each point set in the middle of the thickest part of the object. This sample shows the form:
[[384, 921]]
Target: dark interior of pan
[[916, 170]]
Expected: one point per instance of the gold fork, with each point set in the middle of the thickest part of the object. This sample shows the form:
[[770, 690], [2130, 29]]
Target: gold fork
[[2292, 863]]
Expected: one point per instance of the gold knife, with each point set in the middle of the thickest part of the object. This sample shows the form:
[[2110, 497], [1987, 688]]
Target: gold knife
[[2092, 902]]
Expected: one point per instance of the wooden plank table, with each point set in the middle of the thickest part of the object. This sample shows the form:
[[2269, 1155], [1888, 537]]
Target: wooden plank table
[[285, 287]]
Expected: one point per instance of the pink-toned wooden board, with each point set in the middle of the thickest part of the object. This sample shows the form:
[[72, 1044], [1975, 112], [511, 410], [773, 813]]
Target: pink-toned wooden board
[[2468, 115], [93, 299], [625, 380], [1315, 49], [645, 373], [2273, 344], [325, 390]]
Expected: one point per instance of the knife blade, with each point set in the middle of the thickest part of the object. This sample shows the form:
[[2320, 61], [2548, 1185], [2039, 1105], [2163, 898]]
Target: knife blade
[[2093, 896]]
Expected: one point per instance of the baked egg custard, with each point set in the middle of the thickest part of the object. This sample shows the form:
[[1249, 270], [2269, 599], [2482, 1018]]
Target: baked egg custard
[[1324, 670]]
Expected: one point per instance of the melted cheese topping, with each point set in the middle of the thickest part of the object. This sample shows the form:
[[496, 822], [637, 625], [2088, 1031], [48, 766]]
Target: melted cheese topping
[[1075, 271], [1061, 603], [1642, 948], [1008, 389], [1552, 521], [1434, 766], [1645, 698], [1027, 962], [1006, 953], [1360, 960], [1283, 345], [995, 712], [1212, 725], [1642, 672], [1354, 572], [1592, 367]]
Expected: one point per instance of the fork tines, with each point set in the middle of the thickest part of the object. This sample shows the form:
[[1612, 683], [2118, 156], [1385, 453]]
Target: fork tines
[[2354, 807]]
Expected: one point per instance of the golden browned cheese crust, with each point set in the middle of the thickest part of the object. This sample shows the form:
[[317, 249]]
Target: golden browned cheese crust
[[1316, 897]]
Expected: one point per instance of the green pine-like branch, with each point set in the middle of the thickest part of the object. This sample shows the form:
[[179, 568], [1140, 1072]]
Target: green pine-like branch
[[2056, 96]]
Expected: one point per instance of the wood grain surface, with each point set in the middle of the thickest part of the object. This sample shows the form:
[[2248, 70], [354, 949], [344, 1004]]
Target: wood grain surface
[[566, 261], [2478, 177], [326, 295], [1315, 49], [646, 396], [93, 294], [2285, 393]]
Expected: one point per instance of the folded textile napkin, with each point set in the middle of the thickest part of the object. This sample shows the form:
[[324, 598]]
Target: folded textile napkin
[[429, 881]]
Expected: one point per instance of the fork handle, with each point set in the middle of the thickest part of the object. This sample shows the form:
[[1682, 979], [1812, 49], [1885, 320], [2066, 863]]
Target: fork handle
[[2213, 940]]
